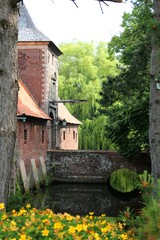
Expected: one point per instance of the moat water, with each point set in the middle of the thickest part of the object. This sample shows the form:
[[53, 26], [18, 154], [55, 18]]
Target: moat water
[[77, 198]]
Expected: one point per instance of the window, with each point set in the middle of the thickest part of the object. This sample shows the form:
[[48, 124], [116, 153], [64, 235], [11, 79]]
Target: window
[[53, 61], [42, 135], [64, 135], [25, 136], [74, 134]]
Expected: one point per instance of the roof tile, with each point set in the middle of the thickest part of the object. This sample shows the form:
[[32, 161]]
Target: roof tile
[[27, 105], [63, 113]]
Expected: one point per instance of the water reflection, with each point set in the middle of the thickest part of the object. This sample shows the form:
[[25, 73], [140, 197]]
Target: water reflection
[[76, 198]]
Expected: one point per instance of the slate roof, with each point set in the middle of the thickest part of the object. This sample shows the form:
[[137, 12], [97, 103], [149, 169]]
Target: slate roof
[[63, 113], [27, 32], [26, 28], [27, 106]]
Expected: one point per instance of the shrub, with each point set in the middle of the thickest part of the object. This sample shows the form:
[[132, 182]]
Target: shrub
[[29, 223]]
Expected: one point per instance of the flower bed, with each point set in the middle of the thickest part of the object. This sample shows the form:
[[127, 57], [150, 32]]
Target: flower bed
[[31, 223]]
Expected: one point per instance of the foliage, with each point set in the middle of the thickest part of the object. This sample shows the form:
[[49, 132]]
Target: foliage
[[149, 224], [127, 126], [128, 217], [92, 134], [30, 223], [125, 98], [146, 223], [15, 201], [82, 69], [145, 181]]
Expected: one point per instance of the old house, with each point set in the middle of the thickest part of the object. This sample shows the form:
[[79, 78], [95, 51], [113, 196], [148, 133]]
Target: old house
[[68, 135], [32, 129], [53, 127]]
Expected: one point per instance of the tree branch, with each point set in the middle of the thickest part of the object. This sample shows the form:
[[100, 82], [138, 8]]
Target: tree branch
[[102, 1]]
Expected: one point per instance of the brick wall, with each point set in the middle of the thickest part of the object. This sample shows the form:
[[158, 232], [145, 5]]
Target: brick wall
[[37, 66], [31, 71], [90, 166], [31, 143]]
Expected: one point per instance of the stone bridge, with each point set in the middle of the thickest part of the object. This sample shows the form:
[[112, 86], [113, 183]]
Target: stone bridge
[[91, 166]]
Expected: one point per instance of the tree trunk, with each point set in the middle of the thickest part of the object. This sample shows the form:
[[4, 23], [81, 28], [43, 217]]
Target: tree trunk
[[8, 91], [154, 114]]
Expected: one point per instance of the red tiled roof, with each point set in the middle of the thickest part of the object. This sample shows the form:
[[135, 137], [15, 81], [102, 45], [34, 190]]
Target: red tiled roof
[[63, 113], [26, 104]]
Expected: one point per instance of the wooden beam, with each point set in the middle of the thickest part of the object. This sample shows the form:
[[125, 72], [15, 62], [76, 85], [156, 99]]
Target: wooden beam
[[68, 101], [24, 176], [35, 174]]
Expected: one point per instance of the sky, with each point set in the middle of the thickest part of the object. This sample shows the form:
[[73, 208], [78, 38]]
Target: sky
[[62, 21]]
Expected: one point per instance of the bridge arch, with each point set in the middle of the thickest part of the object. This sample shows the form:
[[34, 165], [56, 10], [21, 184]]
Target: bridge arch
[[124, 180]]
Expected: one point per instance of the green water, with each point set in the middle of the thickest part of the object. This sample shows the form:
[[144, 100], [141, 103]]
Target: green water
[[124, 180]]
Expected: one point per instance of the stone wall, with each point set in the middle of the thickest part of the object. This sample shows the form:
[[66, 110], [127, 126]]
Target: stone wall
[[90, 166]]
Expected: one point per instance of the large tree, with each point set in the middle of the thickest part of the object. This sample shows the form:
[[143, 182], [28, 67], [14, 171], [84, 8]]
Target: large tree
[[154, 129], [126, 97], [8, 91]]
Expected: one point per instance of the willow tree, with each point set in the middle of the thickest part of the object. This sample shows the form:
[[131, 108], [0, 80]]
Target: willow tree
[[8, 91], [82, 69]]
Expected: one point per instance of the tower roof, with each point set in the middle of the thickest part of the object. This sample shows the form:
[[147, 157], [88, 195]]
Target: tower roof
[[27, 32], [26, 28]]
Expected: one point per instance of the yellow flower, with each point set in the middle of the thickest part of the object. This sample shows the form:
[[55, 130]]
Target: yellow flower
[[22, 237], [46, 221], [77, 218], [28, 205], [13, 211], [124, 236], [120, 225], [22, 212], [96, 236], [79, 227], [13, 223], [103, 215], [28, 223], [91, 213], [2, 206], [103, 222], [71, 229], [4, 216], [85, 227], [58, 225], [45, 232], [69, 217]]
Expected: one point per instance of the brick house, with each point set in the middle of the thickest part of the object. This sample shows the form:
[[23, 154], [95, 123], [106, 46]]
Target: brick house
[[68, 135], [31, 128], [38, 71]]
